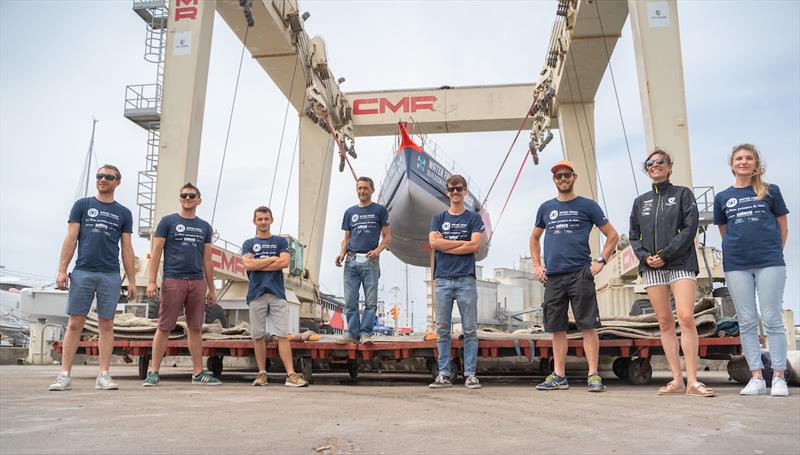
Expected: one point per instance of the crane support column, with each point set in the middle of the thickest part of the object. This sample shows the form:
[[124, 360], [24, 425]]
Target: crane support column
[[316, 160], [576, 125], [659, 64], [185, 79]]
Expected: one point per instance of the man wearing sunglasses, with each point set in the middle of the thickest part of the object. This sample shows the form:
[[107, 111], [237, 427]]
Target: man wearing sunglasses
[[97, 226], [568, 272], [456, 236], [188, 282], [363, 225]]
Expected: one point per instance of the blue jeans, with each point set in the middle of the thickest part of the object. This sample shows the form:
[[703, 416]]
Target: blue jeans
[[357, 274], [465, 293], [768, 282]]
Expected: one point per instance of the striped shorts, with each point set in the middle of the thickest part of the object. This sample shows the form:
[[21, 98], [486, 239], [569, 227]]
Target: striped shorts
[[659, 277]]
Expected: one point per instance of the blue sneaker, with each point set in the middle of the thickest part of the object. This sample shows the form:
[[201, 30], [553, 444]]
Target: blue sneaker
[[595, 383], [553, 382]]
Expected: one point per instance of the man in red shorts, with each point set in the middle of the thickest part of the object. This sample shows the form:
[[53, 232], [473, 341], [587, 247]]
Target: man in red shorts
[[188, 282]]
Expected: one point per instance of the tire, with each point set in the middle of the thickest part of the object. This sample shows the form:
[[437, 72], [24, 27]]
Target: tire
[[546, 365], [640, 371], [144, 365], [738, 370], [306, 369], [433, 367], [214, 365], [216, 312], [620, 367], [352, 368]]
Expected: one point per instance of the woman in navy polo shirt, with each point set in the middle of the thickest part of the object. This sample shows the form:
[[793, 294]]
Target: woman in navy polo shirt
[[751, 216]]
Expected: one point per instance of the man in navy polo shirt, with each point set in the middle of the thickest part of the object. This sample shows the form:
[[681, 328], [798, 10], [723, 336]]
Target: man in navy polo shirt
[[265, 256], [455, 235], [568, 272], [97, 226], [188, 282], [363, 225]]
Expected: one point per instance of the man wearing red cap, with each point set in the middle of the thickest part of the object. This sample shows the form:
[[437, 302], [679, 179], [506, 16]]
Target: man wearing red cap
[[568, 272]]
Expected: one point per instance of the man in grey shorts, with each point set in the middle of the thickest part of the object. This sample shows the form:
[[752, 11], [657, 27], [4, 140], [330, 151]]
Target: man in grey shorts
[[97, 226], [265, 256]]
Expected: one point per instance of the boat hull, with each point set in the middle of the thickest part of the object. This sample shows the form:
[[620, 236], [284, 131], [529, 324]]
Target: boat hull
[[413, 192]]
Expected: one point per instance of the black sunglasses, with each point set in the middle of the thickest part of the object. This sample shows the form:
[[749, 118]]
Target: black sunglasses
[[455, 189], [649, 163], [563, 175], [107, 177], [188, 195]]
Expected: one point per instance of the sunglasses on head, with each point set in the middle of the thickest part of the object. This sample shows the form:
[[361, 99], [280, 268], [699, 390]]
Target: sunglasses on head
[[563, 175], [455, 189], [188, 195], [106, 177], [649, 163]]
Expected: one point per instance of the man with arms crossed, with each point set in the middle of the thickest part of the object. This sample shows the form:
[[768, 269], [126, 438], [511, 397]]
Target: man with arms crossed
[[363, 225], [265, 256], [456, 237], [97, 225], [568, 273], [188, 282]]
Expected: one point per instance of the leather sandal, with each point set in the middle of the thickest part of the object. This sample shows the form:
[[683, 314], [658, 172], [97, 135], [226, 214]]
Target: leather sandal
[[673, 388], [698, 389]]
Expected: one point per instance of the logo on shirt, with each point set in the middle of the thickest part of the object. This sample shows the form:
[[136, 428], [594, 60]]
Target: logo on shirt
[[731, 202], [180, 228], [354, 218], [554, 214], [92, 212], [257, 247], [446, 226], [671, 201]]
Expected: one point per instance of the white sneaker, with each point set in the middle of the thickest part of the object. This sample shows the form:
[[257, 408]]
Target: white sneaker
[[756, 386], [62, 382], [105, 382], [779, 388]]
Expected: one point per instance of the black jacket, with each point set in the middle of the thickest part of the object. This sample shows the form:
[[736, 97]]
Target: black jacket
[[664, 221]]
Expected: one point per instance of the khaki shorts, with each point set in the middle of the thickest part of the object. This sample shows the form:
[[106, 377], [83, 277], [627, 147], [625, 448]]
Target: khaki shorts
[[274, 309]]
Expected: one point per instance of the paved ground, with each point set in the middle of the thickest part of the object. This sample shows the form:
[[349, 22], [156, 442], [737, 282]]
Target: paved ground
[[381, 416]]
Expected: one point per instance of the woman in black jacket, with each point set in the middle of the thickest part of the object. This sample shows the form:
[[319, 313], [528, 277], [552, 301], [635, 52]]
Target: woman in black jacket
[[662, 230]]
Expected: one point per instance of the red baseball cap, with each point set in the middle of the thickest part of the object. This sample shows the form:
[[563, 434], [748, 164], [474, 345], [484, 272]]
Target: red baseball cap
[[563, 163]]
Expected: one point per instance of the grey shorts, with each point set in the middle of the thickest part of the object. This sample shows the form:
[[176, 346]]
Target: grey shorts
[[269, 308], [84, 286], [660, 277]]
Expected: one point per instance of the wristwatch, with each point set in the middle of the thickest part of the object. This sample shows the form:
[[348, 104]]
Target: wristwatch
[[601, 260]]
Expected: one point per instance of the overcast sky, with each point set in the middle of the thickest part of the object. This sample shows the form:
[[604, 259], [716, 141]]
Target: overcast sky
[[63, 62]]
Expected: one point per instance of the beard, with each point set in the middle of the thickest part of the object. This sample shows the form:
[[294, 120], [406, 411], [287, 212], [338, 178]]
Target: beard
[[567, 189]]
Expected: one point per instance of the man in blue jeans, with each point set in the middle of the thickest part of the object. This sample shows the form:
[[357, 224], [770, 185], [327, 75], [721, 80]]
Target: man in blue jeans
[[456, 237], [363, 225], [97, 226]]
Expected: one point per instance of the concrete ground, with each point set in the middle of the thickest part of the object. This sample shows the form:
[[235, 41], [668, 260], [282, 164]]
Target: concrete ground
[[382, 414]]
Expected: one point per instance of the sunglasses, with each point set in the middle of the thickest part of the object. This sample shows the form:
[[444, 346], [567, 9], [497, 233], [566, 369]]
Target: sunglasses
[[106, 177], [650, 163], [563, 175], [188, 195], [455, 189]]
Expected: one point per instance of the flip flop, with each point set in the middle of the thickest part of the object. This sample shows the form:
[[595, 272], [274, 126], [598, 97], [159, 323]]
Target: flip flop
[[698, 389], [672, 388]]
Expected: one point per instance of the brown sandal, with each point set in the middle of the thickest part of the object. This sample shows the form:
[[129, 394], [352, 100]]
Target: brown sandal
[[698, 389], [672, 388]]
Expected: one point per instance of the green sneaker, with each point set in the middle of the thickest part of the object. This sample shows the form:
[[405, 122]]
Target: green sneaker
[[152, 379], [595, 383], [205, 378]]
